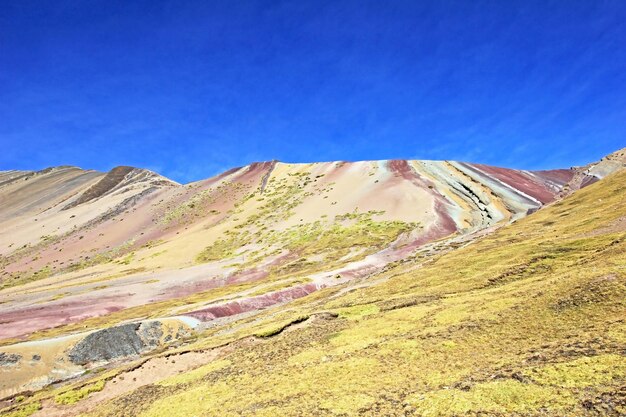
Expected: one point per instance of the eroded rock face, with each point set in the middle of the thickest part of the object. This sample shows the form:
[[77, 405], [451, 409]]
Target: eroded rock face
[[117, 342]]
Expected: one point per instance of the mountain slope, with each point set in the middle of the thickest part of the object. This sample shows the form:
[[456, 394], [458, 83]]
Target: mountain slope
[[384, 247], [533, 325], [262, 222]]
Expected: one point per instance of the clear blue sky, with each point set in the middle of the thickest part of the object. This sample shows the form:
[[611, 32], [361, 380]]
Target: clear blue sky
[[192, 88]]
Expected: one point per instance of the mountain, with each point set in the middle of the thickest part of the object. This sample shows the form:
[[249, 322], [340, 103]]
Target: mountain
[[62, 224], [285, 288]]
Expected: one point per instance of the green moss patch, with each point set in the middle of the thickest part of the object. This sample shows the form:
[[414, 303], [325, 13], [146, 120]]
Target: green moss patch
[[75, 395]]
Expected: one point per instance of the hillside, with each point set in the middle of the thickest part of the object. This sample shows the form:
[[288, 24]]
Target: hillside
[[369, 288]]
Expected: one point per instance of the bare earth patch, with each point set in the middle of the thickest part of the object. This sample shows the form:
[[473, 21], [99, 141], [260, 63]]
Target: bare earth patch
[[151, 371]]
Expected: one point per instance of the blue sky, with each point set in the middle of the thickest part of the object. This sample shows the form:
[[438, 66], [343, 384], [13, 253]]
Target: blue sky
[[192, 88]]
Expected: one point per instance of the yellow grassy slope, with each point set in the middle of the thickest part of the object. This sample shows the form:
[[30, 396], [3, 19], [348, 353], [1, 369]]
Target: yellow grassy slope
[[527, 321]]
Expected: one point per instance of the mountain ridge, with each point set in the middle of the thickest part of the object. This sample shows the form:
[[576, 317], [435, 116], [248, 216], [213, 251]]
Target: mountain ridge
[[613, 155]]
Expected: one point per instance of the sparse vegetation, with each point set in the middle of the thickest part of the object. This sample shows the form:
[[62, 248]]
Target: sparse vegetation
[[24, 411], [277, 328], [195, 374], [331, 239], [75, 395]]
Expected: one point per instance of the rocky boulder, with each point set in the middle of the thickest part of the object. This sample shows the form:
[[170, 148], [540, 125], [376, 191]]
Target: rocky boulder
[[117, 342]]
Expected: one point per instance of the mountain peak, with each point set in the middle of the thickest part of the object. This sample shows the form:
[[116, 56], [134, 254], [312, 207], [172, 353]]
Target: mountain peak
[[119, 178]]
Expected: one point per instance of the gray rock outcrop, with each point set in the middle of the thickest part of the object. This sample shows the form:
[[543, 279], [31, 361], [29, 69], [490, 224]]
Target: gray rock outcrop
[[9, 359], [117, 342]]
